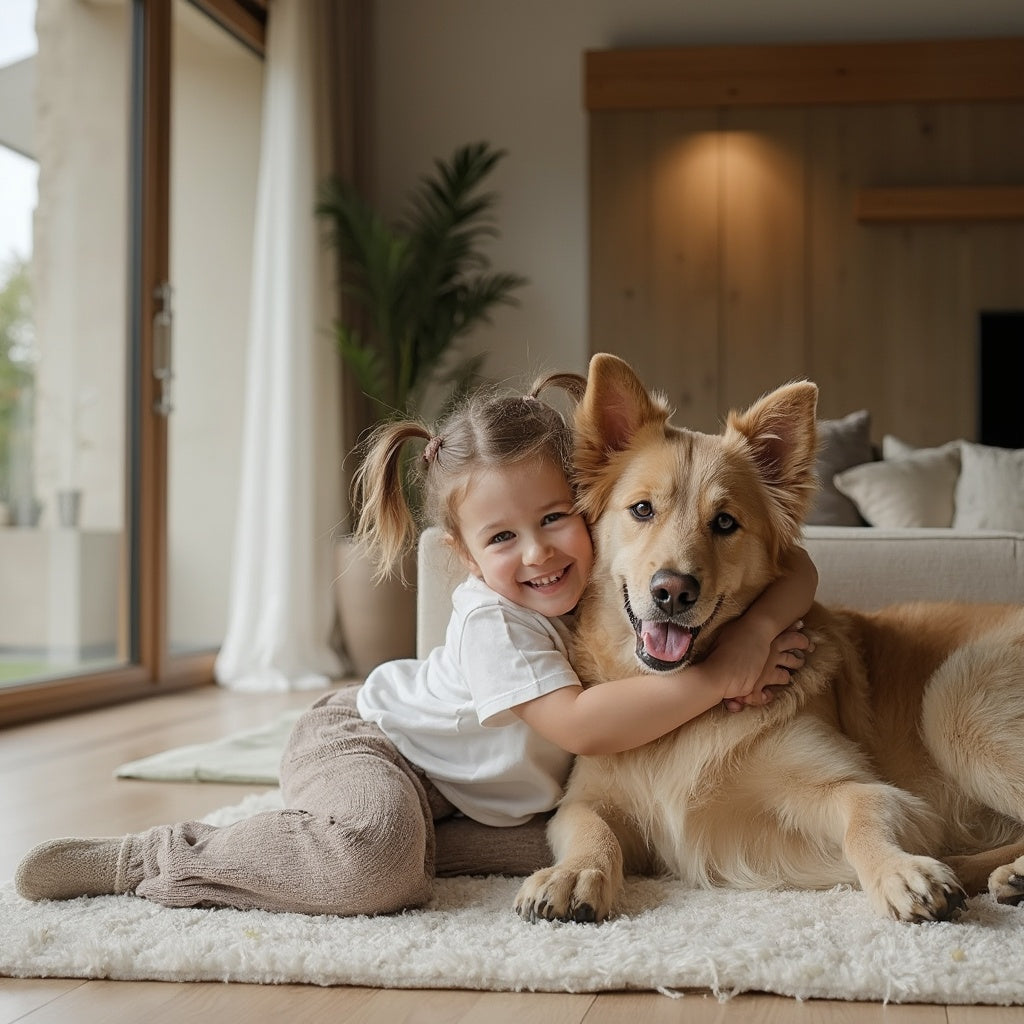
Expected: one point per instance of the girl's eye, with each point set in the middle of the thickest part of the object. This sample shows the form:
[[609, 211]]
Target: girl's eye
[[500, 538], [724, 524], [553, 517], [642, 510]]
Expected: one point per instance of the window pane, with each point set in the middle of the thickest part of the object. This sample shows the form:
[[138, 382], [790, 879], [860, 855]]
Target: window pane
[[216, 103], [63, 159]]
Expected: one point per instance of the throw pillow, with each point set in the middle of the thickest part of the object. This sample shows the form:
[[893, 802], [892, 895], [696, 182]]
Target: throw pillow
[[842, 443], [911, 490], [894, 448], [990, 491]]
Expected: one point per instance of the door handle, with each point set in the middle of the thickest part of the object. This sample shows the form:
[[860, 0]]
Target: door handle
[[163, 322]]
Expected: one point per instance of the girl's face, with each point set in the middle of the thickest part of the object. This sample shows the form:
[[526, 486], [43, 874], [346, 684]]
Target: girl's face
[[521, 536]]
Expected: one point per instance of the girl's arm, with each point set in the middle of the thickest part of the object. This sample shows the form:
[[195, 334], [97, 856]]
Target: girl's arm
[[749, 637], [627, 713]]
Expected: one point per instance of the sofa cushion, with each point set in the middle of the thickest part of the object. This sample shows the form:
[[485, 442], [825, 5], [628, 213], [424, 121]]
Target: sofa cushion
[[908, 487], [990, 491], [842, 443], [871, 568], [438, 573]]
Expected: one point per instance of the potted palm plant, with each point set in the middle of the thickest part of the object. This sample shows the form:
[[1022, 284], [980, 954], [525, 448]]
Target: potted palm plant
[[411, 292]]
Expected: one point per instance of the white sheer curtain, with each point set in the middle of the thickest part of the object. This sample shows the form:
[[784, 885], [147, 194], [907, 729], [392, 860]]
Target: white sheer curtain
[[281, 610]]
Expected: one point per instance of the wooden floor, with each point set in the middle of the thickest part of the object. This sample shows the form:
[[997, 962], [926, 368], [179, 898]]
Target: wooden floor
[[56, 779]]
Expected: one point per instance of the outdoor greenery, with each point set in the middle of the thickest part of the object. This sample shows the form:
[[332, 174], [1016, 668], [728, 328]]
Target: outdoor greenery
[[413, 290], [16, 366]]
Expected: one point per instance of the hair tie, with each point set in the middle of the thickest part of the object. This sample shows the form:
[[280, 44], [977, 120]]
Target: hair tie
[[530, 398], [430, 452]]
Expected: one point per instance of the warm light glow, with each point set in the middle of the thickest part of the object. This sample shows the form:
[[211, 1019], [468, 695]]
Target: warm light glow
[[750, 159], [750, 184]]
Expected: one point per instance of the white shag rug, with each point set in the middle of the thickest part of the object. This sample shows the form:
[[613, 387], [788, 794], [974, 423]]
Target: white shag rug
[[665, 937]]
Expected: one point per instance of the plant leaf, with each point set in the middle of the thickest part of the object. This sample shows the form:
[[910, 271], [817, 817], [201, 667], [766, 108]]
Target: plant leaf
[[413, 290]]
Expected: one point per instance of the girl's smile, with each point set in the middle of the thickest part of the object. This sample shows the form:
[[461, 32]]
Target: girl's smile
[[548, 581]]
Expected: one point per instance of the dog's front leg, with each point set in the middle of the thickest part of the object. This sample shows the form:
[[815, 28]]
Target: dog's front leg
[[879, 823], [587, 875]]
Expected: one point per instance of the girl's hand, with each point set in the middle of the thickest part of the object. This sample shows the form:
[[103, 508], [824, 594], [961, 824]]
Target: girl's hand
[[786, 654]]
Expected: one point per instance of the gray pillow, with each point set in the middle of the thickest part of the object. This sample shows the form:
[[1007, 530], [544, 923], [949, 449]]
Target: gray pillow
[[841, 444]]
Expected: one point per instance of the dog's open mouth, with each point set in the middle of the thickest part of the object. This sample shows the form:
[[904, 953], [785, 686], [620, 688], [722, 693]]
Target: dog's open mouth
[[662, 644]]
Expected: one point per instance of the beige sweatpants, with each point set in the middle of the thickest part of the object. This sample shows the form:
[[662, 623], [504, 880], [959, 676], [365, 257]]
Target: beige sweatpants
[[357, 836]]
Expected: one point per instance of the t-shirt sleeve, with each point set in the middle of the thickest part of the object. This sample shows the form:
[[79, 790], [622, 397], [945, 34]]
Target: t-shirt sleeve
[[508, 658]]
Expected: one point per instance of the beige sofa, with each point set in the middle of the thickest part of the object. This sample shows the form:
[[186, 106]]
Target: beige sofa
[[860, 567]]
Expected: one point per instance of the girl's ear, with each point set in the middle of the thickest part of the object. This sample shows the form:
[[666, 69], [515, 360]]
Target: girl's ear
[[458, 550]]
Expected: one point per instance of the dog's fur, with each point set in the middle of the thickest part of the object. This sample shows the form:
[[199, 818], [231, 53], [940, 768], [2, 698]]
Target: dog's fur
[[895, 758]]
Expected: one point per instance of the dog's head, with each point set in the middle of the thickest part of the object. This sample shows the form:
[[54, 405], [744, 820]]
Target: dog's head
[[688, 528]]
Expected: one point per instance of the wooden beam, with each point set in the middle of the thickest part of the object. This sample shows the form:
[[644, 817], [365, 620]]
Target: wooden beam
[[937, 205], [245, 21], [962, 70]]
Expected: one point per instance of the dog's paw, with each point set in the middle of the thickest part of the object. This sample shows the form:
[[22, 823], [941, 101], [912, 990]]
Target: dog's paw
[[563, 894], [1006, 883], [917, 889]]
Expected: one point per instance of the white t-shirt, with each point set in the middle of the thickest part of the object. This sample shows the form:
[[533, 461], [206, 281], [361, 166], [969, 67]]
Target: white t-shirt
[[450, 714]]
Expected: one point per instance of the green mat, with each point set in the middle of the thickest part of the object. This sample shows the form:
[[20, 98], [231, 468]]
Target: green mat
[[251, 756]]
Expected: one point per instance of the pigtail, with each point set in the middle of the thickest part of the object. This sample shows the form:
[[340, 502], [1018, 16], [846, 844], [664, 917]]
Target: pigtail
[[385, 526], [573, 384], [559, 440]]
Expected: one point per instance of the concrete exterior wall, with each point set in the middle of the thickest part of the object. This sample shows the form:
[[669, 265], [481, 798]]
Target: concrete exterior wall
[[79, 266]]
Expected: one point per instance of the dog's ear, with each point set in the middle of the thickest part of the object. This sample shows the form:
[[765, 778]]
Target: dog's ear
[[614, 409], [780, 434], [616, 405]]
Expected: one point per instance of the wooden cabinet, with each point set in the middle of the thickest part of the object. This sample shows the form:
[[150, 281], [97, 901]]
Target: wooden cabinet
[[839, 212]]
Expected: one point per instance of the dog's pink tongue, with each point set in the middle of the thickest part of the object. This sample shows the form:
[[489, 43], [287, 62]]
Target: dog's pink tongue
[[665, 641]]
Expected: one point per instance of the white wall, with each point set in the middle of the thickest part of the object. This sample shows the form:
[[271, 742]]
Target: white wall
[[509, 71]]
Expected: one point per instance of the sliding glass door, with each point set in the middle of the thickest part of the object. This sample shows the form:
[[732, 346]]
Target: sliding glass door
[[64, 145], [128, 135], [216, 98]]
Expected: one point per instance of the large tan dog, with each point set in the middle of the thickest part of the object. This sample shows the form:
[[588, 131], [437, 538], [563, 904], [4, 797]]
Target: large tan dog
[[894, 760]]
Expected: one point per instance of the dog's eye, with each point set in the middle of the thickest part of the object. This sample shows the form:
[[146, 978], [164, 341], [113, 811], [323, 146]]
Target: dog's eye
[[724, 523], [642, 510]]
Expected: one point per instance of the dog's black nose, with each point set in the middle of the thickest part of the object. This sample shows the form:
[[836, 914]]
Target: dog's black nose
[[674, 592]]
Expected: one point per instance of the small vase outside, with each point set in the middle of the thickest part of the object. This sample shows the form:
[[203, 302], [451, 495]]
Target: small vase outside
[[24, 511], [69, 507], [377, 620]]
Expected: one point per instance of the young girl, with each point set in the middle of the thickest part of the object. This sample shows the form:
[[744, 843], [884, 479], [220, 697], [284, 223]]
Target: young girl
[[485, 726]]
